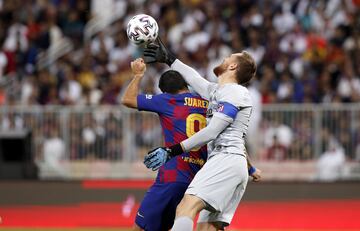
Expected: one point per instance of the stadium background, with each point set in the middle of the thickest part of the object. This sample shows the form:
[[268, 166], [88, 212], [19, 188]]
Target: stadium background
[[70, 155]]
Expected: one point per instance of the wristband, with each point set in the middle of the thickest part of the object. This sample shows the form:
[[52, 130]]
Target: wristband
[[251, 170], [175, 150], [170, 59]]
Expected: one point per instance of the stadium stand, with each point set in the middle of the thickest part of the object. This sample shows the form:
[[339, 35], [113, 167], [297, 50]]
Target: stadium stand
[[61, 53]]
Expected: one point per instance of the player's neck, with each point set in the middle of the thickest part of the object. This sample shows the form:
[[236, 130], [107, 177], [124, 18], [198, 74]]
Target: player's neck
[[226, 79], [183, 91]]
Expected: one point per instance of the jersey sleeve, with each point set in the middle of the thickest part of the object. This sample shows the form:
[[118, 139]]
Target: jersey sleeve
[[209, 133], [231, 99], [152, 103], [226, 111], [200, 85]]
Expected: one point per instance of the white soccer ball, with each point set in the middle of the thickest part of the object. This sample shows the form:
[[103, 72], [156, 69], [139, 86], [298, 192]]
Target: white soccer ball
[[142, 29]]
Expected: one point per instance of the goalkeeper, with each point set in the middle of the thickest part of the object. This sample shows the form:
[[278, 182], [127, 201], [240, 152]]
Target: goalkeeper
[[218, 187]]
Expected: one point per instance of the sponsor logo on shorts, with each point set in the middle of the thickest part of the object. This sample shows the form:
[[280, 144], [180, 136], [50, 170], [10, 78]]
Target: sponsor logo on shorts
[[140, 215]]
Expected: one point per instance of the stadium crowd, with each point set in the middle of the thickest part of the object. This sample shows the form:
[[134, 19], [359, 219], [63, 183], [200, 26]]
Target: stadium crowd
[[306, 51]]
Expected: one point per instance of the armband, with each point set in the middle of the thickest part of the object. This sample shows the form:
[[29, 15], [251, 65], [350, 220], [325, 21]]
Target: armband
[[175, 150]]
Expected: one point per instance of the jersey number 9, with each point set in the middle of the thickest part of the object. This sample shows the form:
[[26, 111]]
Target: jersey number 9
[[194, 123]]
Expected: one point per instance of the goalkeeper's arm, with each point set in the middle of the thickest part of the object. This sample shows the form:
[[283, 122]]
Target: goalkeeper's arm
[[193, 78], [209, 133], [160, 53]]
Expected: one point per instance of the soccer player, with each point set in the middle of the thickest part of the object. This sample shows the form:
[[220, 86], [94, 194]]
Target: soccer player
[[218, 187], [181, 115]]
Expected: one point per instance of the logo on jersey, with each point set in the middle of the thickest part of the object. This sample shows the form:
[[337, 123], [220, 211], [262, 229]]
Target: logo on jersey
[[214, 108], [140, 215], [220, 107], [148, 96]]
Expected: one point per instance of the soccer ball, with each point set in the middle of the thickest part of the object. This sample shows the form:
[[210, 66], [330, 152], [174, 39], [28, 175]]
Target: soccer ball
[[142, 29]]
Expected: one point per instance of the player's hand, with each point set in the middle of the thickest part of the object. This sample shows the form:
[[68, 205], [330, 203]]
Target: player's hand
[[158, 52], [256, 176], [156, 158], [138, 67]]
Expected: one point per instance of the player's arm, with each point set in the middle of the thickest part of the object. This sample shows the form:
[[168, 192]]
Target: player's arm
[[159, 53], [204, 136], [193, 78], [157, 157], [130, 96], [219, 122], [255, 173]]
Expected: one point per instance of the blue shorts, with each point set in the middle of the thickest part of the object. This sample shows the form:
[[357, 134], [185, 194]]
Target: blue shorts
[[158, 208]]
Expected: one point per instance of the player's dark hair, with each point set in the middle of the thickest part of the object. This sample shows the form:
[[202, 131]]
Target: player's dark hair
[[172, 82], [247, 68]]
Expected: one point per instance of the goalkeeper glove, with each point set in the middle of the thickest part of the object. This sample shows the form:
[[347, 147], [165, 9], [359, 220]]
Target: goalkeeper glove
[[158, 53], [159, 156]]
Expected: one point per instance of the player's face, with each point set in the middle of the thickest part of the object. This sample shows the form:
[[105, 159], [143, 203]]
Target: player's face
[[224, 66], [220, 69]]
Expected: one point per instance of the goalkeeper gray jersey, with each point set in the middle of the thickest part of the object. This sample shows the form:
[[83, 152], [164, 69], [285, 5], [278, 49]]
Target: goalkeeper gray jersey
[[228, 114], [231, 102]]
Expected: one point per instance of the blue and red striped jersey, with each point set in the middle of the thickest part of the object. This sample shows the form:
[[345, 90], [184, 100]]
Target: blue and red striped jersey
[[181, 116]]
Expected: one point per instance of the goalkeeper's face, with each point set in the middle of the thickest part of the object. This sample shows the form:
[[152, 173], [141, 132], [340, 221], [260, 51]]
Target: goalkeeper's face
[[229, 63]]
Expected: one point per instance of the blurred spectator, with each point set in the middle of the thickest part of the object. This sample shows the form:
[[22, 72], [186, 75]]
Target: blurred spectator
[[282, 132], [54, 153], [284, 20], [357, 153], [3, 64], [252, 137], [276, 151], [102, 43], [255, 49], [12, 121], [28, 89], [309, 48], [285, 89], [71, 91], [306, 51], [349, 85], [331, 162], [16, 39]]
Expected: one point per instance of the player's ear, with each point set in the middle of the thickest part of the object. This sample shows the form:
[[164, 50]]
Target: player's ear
[[233, 66]]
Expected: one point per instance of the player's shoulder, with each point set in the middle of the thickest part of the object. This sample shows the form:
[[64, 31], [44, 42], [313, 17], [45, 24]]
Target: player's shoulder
[[159, 96], [193, 95], [234, 88], [162, 97], [235, 94]]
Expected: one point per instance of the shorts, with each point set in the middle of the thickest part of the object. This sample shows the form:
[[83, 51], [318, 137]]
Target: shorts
[[220, 183], [158, 208]]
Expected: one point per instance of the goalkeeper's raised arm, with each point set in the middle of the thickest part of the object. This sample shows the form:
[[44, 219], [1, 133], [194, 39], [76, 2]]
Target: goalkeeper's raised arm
[[159, 53]]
